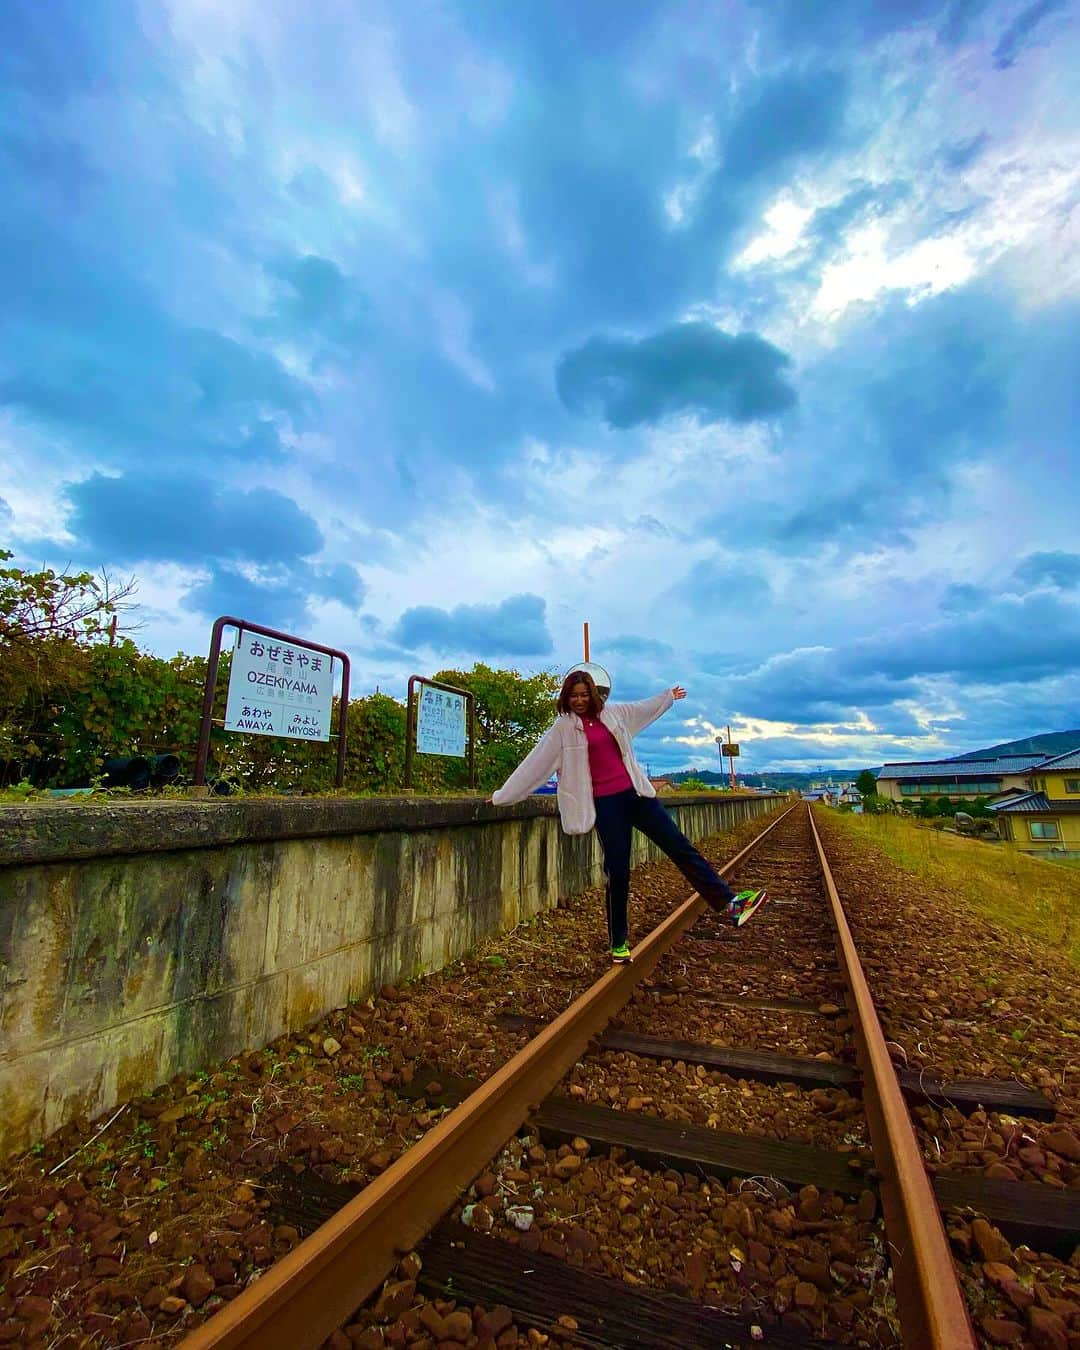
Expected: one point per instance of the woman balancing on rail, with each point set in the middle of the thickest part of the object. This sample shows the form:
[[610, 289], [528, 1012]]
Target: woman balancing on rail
[[602, 784]]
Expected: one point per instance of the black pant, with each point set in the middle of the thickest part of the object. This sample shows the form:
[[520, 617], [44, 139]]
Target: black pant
[[616, 817]]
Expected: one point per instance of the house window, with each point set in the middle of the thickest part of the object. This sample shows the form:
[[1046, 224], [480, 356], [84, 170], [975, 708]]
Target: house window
[[1072, 784], [1043, 829]]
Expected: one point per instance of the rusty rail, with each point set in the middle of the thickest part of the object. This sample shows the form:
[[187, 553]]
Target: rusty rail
[[303, 1297], [933, 1314]]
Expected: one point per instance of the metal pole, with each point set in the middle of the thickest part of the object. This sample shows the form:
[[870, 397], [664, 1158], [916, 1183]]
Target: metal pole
[[410, 731], [731, 759], [203, 751], [472, 741], [343, 719], [586, 626]]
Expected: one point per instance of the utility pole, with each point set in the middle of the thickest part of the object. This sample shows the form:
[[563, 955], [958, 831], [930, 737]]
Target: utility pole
[[586, 627]]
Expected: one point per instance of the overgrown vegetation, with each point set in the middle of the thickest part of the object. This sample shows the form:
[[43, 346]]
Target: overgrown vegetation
[[1032, 895], [75, 690]]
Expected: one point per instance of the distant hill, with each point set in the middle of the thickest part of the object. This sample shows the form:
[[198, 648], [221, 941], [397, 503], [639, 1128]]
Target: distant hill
[[1047, 743], [781, 779]]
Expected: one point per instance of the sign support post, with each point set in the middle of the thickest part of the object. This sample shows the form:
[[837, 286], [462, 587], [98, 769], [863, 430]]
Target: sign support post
[[732, 751]]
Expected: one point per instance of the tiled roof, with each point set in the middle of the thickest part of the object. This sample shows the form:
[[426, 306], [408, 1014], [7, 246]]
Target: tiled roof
[[1069, 760], [1035, 803], [944, 769], [1030, 801]]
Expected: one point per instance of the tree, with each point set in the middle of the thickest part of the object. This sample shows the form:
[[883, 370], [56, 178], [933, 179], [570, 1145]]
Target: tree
[[49, 623], [866, 784], [48, 606]]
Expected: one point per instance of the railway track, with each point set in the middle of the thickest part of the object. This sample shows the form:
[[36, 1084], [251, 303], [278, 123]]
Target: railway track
[[594, 1187]]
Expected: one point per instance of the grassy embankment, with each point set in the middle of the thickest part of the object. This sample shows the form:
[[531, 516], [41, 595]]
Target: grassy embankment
[[1034, 896]]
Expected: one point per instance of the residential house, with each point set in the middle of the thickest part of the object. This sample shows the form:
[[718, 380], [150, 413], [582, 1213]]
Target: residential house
[[1046, 817]]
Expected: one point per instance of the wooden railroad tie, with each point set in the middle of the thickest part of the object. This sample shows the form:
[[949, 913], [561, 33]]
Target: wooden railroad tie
[[697, 1148], [789, 1005], [1042, 1217], [538, 1289], [471, 1268], [763, 1066]]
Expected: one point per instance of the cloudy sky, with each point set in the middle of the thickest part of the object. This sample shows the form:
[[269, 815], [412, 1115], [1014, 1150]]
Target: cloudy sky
[[746, 330]]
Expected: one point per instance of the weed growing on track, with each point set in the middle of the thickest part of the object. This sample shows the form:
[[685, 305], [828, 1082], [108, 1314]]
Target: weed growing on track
[[1032, 895]]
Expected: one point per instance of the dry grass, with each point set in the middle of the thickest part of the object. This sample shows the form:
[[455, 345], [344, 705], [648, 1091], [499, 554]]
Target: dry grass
[[1035, 896]]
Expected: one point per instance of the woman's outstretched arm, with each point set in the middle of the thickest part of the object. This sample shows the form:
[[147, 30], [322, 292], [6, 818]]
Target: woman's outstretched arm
[[638, 715], [536, 768]]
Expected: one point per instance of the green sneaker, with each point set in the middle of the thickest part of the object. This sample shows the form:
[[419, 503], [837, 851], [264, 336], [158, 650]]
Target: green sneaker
[[621, 955], [745, 905]]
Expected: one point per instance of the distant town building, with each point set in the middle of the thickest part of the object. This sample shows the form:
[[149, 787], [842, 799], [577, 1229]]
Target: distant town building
[[961, 780], [1035, 798], [1046, 818]]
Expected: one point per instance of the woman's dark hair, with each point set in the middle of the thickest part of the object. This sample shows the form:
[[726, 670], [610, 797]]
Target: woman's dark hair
[[596, 703]]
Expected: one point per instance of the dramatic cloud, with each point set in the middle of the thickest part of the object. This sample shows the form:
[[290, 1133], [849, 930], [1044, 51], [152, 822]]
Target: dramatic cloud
[[268, 540], [1059, 569], [690, 368], [94, 353], [516, 627], [787, 118], [316, 298], [188, 519]]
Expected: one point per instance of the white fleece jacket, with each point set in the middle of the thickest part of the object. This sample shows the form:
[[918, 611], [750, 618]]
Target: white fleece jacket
[[564, 749]]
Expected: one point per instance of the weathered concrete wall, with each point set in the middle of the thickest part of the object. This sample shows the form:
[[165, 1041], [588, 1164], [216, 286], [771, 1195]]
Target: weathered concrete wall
[[139, 940]]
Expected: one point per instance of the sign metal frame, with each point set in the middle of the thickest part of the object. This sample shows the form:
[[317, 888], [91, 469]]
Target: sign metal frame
[[410, 724], [246, 626]]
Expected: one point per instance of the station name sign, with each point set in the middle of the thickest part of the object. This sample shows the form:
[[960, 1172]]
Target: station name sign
[[279, 689]]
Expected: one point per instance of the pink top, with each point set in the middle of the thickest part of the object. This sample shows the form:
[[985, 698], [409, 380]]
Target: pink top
[[605, 761]]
